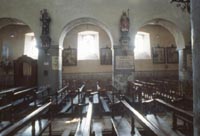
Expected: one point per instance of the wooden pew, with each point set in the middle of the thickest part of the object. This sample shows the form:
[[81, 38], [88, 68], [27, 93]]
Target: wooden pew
[[84, 126], [6, 94], [81, 93], [105, 105], [4, 122], [22, 99], [185, 116], [121, 127], [129, 129], [18, 103], [135, 91], [75, 99], [159, 89], [42, 95], [104, 101], [168, 90], [60, 98], [31, 118], [152, 130]]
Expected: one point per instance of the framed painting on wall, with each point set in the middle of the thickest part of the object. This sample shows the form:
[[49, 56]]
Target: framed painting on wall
[[69, 57], [158, 54], [106, 56], [172, 55]]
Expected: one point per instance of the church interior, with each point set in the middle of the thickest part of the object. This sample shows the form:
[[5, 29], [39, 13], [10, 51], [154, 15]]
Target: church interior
[[99, 68]]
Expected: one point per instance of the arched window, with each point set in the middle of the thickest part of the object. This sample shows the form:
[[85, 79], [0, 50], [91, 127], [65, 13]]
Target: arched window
[[30, 48], [142, 48], [88, 45]]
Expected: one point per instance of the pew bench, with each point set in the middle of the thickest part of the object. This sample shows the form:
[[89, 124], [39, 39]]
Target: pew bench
[[5, 119], [163, 125], [84, 126], [121, 127], [5, 95], [147, 126], [177, 113], [105, 105], [19, 104], [42, 95], [30, 119], [75, 99], [39, 126]]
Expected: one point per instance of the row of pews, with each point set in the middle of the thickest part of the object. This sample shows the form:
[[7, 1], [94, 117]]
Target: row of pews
[[12, 101], [158, 97], [169, 91], [21, 105], [135, 113], [38, 103]]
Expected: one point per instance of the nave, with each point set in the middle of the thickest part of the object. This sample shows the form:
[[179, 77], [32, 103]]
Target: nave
[[96, 108]]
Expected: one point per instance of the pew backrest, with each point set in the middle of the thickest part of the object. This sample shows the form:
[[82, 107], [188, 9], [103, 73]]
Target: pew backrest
[[85, 129], [23, 122], [142, 120]]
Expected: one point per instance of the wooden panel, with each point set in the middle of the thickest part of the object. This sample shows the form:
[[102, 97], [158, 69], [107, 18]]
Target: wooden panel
[[25, 71]]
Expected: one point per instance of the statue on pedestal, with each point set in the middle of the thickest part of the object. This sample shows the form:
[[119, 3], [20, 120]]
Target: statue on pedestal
[[124, 22], [45, 38]]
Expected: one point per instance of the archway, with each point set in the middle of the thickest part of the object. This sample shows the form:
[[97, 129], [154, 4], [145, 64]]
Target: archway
[[81, 21], [163, 36], [16, 39], [88, 68], [172, 28]]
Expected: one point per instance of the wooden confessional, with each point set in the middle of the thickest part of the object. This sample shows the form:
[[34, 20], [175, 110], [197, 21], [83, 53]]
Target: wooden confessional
[[25, 71]]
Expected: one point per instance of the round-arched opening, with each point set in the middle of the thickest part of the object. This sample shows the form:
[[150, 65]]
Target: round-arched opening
[[16, 39], [172, 28], [82, 21], [87, 49], [156, 49]]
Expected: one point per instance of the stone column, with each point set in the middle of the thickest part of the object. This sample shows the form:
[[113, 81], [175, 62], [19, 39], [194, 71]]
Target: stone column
[[181, 65], [123, 67], [123, 56], [185, 67], [49, 68], [185, 70], [195, 22]]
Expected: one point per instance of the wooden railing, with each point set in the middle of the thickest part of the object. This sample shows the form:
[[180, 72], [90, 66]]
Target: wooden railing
[[31, 118]]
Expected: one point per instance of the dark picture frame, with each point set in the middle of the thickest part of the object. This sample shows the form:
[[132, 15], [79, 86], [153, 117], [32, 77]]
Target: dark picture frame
[[69, 56], [172, 55], [106, 56], [158, 55]]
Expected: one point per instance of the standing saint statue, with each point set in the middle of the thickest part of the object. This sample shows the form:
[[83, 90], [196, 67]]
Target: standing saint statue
[[124, 22], [45, 38], [45, 19]]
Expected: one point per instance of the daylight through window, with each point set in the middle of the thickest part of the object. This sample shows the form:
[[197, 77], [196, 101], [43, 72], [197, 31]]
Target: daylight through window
[[142, 48], [88, 45], [30, 48]]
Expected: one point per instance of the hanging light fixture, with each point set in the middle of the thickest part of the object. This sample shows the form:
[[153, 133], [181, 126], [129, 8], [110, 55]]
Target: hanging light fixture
[[183, 4]]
